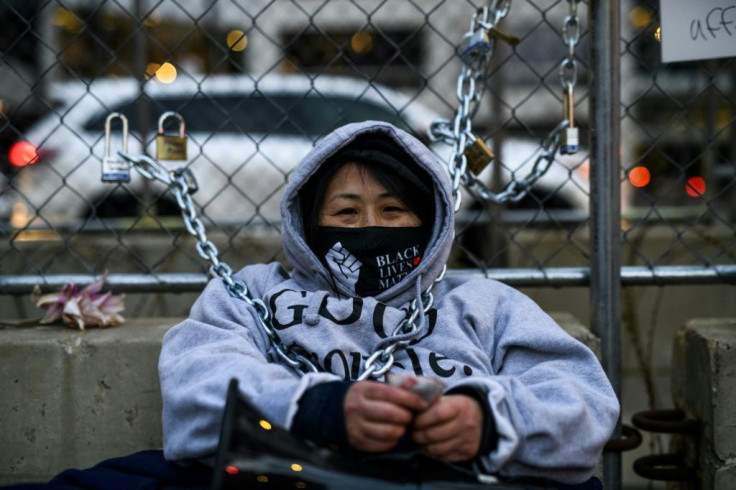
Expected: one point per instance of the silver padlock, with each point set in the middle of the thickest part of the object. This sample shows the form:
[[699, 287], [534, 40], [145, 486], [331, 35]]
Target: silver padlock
[[114, 167], [476, 47], [570, 140]]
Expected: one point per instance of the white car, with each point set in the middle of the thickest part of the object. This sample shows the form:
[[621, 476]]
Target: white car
[[244, 136]]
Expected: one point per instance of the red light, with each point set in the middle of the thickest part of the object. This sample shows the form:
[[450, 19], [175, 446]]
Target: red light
[[695, 186], [22, 153], [639, 176], [231, 470]]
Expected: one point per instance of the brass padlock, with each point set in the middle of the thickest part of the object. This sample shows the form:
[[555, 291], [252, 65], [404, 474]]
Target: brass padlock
[[168, 146], [478, 155], [115, 168], [570, 141]]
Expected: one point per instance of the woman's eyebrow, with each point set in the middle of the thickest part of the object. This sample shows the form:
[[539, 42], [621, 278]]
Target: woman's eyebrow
[[345, 195], [355, 197]]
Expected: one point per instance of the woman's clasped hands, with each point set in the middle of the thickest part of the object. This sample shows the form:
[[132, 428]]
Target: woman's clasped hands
[[377, 415]]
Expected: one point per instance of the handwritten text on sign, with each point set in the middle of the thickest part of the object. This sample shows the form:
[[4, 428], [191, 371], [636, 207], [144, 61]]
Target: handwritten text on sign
[[698, 29]]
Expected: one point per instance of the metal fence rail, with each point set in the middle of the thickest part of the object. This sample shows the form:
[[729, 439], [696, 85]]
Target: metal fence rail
[[553, 277]]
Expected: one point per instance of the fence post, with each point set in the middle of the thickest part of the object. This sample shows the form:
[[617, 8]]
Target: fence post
[[143, 109], [605, 141]]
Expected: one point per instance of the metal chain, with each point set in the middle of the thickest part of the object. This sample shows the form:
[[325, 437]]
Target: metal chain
[[381, 360], [475, 55], [458, 133], [182, 184], [515, 190], [571, 37]]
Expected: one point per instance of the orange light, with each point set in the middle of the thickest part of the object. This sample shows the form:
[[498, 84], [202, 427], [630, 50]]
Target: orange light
[[640, 177], [22, 153], [236, 40], [361, 42], [231, 470], [166, 73], [695, 186]]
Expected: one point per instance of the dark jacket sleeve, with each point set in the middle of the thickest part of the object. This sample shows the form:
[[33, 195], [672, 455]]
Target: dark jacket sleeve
[[320, 417], [489, 439]]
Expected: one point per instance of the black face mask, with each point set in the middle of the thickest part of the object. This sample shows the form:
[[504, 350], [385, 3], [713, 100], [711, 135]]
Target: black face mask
[[370, 260]]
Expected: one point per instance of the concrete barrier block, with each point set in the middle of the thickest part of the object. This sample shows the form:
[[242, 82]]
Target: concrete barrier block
[[573, 326], [71, 399], [725, 477], [704, 383]]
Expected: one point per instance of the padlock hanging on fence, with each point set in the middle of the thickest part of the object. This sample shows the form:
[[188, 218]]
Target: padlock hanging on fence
[[470, 154], [114, 168], [570, 138], [171, 146], [478, 154], [477, 47]]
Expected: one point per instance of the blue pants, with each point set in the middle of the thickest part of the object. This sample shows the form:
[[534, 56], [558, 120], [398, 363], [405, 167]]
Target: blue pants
[[145, 470]]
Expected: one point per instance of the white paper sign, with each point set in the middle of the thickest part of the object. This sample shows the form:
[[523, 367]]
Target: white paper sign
[[697, 29]]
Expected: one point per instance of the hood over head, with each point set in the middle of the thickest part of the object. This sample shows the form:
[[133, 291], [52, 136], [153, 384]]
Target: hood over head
[[383, 145]]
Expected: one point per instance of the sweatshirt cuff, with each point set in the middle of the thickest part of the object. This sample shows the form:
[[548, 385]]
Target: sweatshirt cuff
[[320, 417], [489, 437]]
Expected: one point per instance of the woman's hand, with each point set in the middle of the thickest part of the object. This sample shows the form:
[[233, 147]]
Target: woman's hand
[[377, 415], [450, 429]]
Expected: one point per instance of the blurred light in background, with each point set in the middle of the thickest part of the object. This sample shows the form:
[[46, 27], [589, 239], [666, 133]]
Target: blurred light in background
[[236, 40], [639, 176], [166, 73], [640, 17], [20, 217], [695, 186], [361, 42], [22, 153], [151, 69]]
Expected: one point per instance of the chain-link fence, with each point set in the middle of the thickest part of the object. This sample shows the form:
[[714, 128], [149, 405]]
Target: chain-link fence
[[258, 82], [256, 86]]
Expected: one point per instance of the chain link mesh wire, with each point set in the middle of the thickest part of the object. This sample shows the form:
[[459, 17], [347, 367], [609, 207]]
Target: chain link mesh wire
[[259, 82], [679, 135]]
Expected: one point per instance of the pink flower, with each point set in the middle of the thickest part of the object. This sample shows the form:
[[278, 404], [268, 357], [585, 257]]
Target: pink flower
[[89, 307]]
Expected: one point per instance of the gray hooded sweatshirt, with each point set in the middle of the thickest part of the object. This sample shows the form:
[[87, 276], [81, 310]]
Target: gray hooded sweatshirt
[[551, 402]]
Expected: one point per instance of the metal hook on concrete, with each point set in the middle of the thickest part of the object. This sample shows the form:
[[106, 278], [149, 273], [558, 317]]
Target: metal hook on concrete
[[668, 466], [631, 439]]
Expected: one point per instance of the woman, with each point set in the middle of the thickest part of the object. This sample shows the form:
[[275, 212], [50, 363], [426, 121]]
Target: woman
[[367, 227]]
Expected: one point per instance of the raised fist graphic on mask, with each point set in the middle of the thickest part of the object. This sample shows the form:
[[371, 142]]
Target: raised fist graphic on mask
[[343, 265]]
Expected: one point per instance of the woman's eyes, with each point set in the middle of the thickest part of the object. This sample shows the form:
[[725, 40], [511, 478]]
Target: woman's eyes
[[386, 209]]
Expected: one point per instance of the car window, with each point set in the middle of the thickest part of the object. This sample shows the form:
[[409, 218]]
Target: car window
[[310, 115]]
